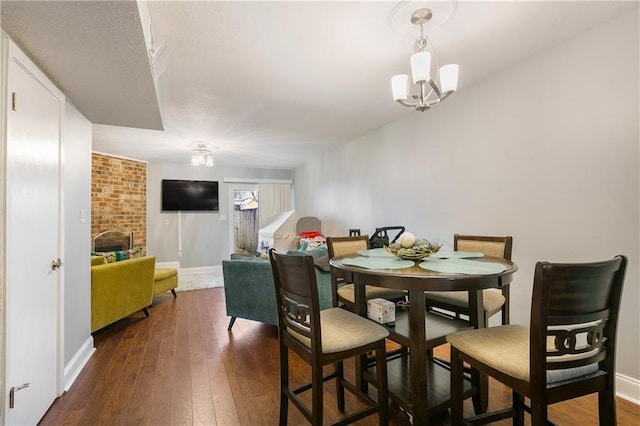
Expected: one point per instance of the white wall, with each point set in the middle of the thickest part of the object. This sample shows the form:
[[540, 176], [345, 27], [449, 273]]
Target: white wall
[[76, 188], [205, 235], [546, 151]]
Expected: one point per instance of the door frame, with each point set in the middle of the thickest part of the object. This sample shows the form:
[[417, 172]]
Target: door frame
[[233, 187], [236, 183]]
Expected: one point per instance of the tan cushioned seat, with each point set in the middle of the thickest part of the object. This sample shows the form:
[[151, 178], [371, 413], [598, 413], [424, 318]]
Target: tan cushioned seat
[[347, 292], [506, 349], [493, 300], [342, 330]]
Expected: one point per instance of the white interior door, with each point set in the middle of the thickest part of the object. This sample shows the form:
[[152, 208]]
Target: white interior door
[[32, 242]]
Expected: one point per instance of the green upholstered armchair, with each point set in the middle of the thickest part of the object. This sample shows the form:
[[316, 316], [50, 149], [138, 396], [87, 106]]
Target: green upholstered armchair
[[250, 292]]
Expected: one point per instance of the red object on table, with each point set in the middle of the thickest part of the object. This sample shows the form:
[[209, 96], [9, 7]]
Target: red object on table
[[310, 234]]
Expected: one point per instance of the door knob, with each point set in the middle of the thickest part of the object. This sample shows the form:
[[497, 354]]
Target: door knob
[[56, 264]]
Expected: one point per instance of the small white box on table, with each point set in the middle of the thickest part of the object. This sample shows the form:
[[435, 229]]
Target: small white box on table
[[381, 310]]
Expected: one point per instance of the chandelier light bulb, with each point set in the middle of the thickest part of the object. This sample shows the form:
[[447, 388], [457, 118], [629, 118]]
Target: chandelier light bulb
[[421, 67], [449, 78], [399, 86]]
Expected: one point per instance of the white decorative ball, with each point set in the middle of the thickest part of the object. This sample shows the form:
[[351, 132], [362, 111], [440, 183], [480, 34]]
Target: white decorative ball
[[407, 239]]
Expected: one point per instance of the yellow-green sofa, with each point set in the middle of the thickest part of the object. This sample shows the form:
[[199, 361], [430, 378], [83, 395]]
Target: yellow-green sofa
[[119, 289]]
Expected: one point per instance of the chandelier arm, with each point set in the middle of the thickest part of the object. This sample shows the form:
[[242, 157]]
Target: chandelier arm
[[435, 88], [407, 104]]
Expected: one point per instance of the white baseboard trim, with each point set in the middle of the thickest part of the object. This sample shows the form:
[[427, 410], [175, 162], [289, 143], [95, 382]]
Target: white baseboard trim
[[200, 270], [174, 265], [77, 363], [189, 271], [628, 388]]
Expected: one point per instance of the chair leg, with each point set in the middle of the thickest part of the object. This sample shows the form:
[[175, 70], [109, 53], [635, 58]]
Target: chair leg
[[481, 397], [539, 412], [173, 291], [457, 371], [339, 385], [146, 312], [316, 393], [284, 384], [607, 407], [518, 406], [505, 308], [383, 386], [233, 321]]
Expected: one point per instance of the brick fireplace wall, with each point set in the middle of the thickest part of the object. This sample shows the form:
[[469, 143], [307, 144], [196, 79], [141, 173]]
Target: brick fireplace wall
[[119, 197]]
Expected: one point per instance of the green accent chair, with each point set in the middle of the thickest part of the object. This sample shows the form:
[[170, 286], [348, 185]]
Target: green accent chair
[[250, 291]]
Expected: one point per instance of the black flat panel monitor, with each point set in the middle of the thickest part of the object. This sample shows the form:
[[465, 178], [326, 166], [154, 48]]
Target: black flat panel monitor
[[189, 195]]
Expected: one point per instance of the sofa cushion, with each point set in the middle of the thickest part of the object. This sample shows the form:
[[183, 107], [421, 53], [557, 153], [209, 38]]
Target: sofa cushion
[[118, 255], [109, 256], [241, 256], [320, 256], [98, 260]]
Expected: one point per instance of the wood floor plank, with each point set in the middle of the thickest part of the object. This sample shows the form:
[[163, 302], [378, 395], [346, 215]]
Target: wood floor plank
[[142, 394], [181, 366], [181, 389]]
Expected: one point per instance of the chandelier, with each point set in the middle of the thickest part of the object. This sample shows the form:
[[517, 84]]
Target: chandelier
[[201, 156], [429, 93]]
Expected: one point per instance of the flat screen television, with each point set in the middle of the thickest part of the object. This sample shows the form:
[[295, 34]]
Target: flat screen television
[[189, 195]]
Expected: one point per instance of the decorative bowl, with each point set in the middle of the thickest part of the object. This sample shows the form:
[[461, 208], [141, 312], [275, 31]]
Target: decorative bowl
[[421, 249]]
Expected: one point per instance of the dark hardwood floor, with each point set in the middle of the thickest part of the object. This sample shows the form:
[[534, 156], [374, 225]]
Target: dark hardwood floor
[[180, 366]]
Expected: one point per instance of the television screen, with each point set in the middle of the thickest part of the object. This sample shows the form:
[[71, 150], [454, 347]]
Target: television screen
[[189, 195]]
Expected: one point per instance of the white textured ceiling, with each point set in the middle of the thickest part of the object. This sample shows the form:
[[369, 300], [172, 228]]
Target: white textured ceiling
[[94, 51], [269, 84]]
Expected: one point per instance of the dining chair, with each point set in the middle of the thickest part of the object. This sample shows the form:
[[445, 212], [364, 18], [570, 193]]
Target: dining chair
[[343, 292], [568, 351], [322, 338], [495, 300]]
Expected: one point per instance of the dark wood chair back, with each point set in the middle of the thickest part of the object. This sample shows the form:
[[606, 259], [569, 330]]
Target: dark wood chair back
[[574, 317], [297, 298]]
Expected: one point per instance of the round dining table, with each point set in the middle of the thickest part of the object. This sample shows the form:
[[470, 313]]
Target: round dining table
[[417, 382]]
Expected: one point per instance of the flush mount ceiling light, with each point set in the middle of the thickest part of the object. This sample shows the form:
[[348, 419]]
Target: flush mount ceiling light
[[201, 156], [429, 92]]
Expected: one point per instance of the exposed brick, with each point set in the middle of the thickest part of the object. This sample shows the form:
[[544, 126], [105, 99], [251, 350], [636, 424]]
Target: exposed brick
[[119, 197]]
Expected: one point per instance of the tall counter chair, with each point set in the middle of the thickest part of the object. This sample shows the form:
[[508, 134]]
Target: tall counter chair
[[322, 338], [345, 292], [495, 300], [568, 351]]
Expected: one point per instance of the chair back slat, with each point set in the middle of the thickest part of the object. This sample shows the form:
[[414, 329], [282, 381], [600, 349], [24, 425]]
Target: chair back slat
[[296, 316], [574, 313]]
